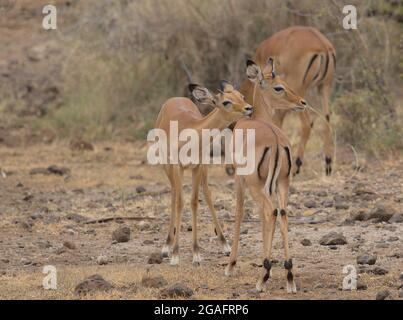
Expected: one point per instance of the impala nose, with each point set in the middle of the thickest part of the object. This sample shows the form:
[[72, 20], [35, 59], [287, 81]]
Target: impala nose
[[303, 102]]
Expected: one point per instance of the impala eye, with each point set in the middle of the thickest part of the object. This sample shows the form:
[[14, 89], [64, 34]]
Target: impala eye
[[227, 103], [278, 88]]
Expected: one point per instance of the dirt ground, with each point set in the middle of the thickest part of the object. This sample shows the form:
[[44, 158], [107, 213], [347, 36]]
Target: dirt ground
[[41, 211]]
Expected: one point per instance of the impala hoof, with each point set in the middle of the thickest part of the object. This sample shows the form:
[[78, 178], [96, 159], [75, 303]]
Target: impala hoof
[[197, 259], [291, 288], [165, 251], [174, 260]]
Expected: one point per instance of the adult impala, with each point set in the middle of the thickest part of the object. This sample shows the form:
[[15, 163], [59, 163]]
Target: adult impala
[[306, 61], [229, 106], [273, 166]]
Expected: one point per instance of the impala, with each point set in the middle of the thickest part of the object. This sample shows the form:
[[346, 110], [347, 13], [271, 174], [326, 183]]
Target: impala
[[273, 165], [306, 60], [229, 106]]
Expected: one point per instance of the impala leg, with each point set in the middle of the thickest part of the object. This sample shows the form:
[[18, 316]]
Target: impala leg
[[177, 176], [166, 249], [217, 227], [324, 92], [306, 127], [239, 213], [196, 177], [283, 186], [268, 215]]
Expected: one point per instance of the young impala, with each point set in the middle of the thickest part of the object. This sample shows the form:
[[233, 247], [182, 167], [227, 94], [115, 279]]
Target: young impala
[[306, 60], [273, 165], [229, 106]]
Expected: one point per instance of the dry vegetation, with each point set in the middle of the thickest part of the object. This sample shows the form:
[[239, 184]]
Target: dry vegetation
[[104, 74]]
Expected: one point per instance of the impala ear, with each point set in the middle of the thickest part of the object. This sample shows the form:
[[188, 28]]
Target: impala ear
[[226, 86], [201, 94], [253, 71]]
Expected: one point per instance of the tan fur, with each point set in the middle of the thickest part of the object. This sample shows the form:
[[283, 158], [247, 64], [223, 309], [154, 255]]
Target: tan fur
[[293, 49], [273, 165], [188, 115]]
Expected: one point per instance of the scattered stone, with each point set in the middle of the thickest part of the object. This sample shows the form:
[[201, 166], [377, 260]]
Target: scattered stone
[[311, 204], [38, 171], [328, 203], [155, 258], [26, 262], [381, 213], [396, 218], [148, 242], [366, 259], [382, 295], [306, 242], [76, 217], [401, 276], [92, 284], [140, 189], [154, 282], [361, 286], [189, 228], [321, 193], [341, 205], [61, 171], [359, 216], [333, 238], [69, 245], [393, 239], [102, 260], [379, 271], [79, 144], [121, 234], [177, 290], [225, 215], [362, 190], [143, 225]]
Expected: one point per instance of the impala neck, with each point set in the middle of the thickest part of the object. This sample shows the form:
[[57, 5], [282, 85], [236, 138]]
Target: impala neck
[[253, 95], [216, 119]]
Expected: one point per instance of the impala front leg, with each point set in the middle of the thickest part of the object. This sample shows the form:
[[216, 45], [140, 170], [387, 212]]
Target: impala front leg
[[196, 177]]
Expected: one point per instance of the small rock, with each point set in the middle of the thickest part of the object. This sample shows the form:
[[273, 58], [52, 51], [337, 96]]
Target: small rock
[[69, 245], [143, 225], [381, 213], [102, 260], [393, 239], [61, 171], [382, 295], [328, 203], [321, 193], [92, 284], [155, 258], [79, 144], [148, 242], [361, 286], [341, 205], [379, 271], [396, 218], [359, 216], [177, 290], [121, 234], [366, 259], [333, 238], [140, 189], [306, 242], [311, 204], [189, 228], [154, 282]]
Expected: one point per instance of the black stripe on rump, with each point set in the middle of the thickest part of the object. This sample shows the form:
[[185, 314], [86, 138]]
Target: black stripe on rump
[[309, 66], [287, 150], [274, 172], [326, 67], [261, 161]]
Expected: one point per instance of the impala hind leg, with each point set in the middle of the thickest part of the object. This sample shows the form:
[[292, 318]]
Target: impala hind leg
[[177, 178], [283, 186], [328, 147], [196, 177], [268, 217], [166, 249], [239, 213], [306, 128], [217, 227]]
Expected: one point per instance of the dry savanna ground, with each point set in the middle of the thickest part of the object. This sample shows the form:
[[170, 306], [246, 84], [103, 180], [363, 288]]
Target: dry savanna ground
[[47, 214]]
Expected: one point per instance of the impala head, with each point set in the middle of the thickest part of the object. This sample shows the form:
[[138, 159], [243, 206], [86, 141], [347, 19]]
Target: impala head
[[273, 88], [228, 100]]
